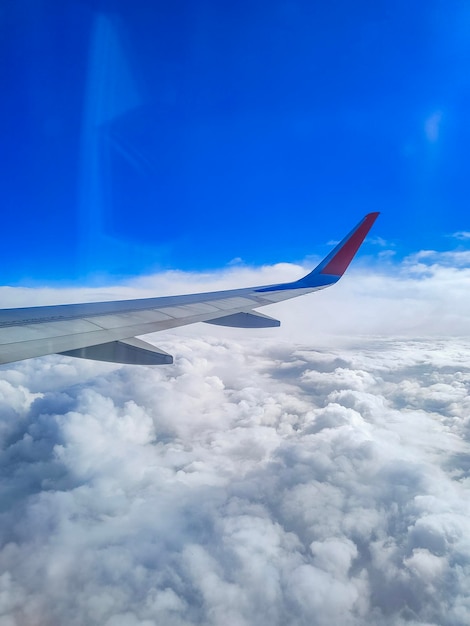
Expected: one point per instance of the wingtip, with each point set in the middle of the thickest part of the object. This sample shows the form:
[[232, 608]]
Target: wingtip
[[337, 262], [342, 256], [371, 217], [330, 270]]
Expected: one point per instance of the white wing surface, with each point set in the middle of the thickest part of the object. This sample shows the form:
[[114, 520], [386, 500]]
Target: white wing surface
[[107, 331]]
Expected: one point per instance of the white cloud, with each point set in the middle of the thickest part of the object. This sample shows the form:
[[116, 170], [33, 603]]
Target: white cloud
[[463, 235], [259, 479]]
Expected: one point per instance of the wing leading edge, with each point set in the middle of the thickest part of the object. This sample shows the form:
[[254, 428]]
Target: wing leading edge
[[106, 331]]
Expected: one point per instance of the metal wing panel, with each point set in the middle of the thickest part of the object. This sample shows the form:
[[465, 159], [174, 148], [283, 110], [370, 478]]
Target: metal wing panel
[[46, 330], [118, 320]]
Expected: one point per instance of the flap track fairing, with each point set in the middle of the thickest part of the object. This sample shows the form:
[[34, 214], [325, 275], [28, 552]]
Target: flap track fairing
[[128, 351], [246, 320]]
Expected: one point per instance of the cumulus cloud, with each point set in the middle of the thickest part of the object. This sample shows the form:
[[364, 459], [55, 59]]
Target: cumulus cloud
[[312, 476]]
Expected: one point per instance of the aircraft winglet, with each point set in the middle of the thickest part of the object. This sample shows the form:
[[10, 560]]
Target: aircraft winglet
[[337, 262], [333, 266]]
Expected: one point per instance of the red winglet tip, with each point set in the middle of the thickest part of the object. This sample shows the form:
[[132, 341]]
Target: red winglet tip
[[340, 262]]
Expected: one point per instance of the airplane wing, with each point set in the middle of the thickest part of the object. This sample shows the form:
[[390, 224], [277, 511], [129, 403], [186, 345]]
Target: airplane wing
[[107, 331]]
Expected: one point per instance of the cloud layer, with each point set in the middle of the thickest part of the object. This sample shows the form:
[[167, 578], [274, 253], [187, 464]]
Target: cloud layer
[[277, 479], [247, 484]]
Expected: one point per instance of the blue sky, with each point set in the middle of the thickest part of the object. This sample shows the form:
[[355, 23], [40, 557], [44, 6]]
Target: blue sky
[[143, 136]]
